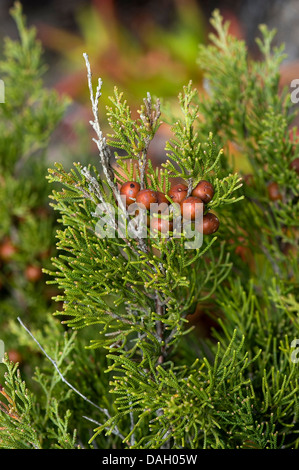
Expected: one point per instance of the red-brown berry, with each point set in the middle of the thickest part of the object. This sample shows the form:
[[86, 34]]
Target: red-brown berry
[[274, 192], [15, 356], [248, 179], [146, 197], [161, 225], [192, 207], [210, 223], [7, 250], [204, 190], [294, 165], [33, 273], [130, 189], [42, 212], [161, 198], [178, 192]]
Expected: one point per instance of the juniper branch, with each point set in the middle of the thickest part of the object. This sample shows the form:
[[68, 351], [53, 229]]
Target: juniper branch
[[150, 119], [104, 150], [160, 327], [114, 431], [104, 410]]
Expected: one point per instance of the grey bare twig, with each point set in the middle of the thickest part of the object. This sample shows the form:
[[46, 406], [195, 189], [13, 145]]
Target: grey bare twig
[[59, 373]]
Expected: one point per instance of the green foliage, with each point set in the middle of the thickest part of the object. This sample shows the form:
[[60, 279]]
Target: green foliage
[[149, 57], [125, 269], [16, 427], [28, 117], [30, 112], [27, 423], [245, 105], [244, 395], [145, 368]]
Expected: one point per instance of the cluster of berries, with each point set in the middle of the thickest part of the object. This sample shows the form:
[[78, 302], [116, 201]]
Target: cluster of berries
[[191, 207]]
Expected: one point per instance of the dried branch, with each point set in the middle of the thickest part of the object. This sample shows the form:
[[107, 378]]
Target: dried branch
[[59, 373]]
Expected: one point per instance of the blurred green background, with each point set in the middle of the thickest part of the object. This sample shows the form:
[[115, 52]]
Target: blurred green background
[[139, 46]]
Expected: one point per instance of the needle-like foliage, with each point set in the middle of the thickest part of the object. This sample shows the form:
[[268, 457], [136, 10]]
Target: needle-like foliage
[[190, 345]]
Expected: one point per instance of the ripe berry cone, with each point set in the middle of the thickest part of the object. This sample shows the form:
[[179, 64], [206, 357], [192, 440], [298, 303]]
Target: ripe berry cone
[[7, 250], [161, 198], [130, 189], [210, 223], [192, 208], [14, 356], [204, 190], [178, 192], [160, 225], [33, 273], [274, 192], [146, 197], [294, 165]]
